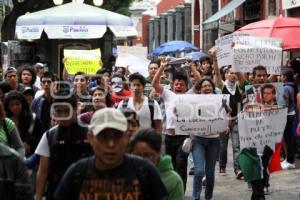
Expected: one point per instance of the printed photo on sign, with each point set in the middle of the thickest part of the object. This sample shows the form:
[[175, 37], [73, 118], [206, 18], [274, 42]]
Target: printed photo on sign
[[266, 96], [201, 115]]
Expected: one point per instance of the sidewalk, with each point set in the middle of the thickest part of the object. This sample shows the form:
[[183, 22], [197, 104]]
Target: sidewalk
[[285, 185]]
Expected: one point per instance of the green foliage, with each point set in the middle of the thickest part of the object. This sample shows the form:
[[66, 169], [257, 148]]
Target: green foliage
[[118, 6]]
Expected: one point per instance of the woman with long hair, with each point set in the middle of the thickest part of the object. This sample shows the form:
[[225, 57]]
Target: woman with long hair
[[29, 126], [205, 151], [100, 99]]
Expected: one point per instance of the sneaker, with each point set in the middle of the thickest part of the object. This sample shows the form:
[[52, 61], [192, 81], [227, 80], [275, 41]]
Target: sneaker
[[204, 181], [222, 171], [286, 165], [238, 174], [249, 186]]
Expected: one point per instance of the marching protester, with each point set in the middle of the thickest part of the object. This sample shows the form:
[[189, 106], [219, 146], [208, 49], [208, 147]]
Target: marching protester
[[231, 87], [41, 105], [9, 134], [119, 92], [147, 144], [173, 142], [10, 77], [29, 126], [101, 98], [62, 145], [110, 173], [27, 77], [14, 180], [132, 121], [289, 139], [147, 109], [40, 70]]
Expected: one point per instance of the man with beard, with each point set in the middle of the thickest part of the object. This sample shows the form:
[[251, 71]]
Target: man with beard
[[119, 93]]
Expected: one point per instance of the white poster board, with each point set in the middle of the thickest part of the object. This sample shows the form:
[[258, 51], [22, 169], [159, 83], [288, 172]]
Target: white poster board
[[224, 47], [200, 115], [249, 52], [260, 128], [133, 57]]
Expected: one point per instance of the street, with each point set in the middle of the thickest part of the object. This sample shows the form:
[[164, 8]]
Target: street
[[284, 184]]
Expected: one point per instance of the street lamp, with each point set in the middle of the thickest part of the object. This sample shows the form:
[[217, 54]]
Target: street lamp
[[57, 2], [98, 2]]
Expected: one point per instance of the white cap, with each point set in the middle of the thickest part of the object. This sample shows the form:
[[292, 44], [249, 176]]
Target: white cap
[[108, 118]]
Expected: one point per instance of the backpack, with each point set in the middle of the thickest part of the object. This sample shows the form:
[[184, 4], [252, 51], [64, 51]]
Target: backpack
[[151, 108]]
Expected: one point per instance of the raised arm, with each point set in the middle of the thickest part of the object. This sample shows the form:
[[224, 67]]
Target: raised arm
[[195, 72], [156, 79], [217, 77]]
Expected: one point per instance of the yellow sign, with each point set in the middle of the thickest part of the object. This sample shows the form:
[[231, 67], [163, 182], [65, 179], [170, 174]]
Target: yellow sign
[[87, 61]]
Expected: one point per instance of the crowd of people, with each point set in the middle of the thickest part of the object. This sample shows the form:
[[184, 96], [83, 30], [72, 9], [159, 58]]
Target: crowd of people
[[112, 135]]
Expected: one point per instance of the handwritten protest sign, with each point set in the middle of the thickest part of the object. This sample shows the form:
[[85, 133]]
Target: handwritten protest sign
[[200, 115], [87, 61], [249, 52], [133, 57], [260, 128], [224, 47]]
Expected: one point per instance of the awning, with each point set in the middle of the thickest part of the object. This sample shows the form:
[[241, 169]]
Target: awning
[[73, 21], [212, 22]]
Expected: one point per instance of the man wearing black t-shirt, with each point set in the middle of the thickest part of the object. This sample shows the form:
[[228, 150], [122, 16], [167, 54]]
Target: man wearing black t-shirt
[[110, 174]]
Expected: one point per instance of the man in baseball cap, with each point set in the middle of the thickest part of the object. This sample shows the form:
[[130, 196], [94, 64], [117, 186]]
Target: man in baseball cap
[[97, 177]]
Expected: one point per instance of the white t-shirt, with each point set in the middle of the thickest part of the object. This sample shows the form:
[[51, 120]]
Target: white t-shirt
[[43, 148], [169, 98], [144, 112]]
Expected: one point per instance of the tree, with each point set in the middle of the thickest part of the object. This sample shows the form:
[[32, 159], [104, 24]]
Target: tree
[[20, 8]]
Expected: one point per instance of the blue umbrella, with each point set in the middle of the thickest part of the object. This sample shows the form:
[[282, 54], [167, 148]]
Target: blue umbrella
[[173, 47], [196, 55]]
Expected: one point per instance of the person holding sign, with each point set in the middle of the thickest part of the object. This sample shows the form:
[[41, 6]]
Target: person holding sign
[[173, 141], [259, 185], [205, 150], [229, 86]]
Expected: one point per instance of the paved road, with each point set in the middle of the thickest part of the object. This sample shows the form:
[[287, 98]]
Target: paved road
[[285, 185]]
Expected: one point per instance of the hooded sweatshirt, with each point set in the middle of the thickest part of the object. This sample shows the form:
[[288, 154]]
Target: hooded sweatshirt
[[170, 178]]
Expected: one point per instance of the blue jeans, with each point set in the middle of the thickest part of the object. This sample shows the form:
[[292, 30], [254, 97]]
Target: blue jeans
[[205, 154], [235, 141]]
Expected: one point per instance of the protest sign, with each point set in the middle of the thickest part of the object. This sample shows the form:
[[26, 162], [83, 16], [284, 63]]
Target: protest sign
[[87, 61], [249, 52], [259, 128], [201, 115], [224, 47], [133, 57], [268, 94]]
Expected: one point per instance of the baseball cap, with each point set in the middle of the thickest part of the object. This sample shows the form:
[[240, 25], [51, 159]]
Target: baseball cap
[[28, 90], [108, 118], [10, 69]]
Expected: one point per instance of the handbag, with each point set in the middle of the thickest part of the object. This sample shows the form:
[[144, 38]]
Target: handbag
[[187, 145]]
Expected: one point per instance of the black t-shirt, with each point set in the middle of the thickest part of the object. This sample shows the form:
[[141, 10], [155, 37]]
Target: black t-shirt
[[134, 179]]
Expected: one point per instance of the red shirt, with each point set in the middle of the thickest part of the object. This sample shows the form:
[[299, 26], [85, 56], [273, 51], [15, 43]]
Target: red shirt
[[118, 98]]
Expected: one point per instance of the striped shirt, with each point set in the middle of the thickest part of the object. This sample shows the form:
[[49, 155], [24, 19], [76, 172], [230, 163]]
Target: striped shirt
[[10, 126]]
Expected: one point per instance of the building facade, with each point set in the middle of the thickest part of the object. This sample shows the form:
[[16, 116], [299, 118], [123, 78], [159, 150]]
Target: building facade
[[214, 18], [172, 22]]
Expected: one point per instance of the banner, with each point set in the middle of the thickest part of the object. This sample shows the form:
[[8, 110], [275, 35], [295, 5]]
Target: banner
[[249, 52], [258, 128], [133, 57], [87, 61], [201, 115], [224, 47]]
